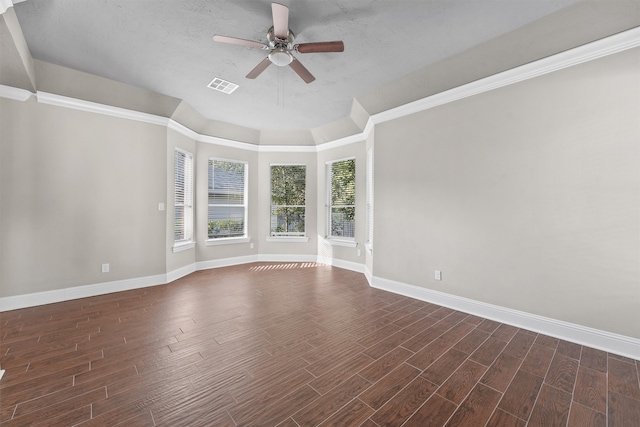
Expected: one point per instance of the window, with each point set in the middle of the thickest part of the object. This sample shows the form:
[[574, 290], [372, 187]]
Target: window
[[227, 199], [370, 198], [341, 184], [183, 192], [288, 185]]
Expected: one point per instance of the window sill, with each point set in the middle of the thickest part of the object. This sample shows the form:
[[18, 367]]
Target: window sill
[[183, 246], [227, 241], [288, 239], [345, 243]]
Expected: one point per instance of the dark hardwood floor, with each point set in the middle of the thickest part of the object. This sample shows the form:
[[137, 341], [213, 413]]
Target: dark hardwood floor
[[296, 345]]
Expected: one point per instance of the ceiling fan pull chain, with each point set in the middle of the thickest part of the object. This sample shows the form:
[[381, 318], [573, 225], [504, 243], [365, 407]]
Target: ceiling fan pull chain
[[278, 86], [283, 80]]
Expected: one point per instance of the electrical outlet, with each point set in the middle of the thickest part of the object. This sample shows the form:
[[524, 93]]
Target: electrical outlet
[[105, 268], [438, 275], [251, 245], [160, 206], [359, 252]]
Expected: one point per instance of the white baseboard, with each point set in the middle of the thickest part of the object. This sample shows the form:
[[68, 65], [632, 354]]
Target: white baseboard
[[115, 286], [602, 340], [606, 341], [347, 265], [287, 258], [225, 262], [48, 297], [180, 272], [59, 295], [368, 275], [31, 300]]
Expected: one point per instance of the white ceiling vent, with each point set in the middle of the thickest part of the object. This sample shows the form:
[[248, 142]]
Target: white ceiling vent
[[222, 85]]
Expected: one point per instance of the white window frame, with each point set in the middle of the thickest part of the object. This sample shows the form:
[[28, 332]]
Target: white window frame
[[285, 236], [337, 240], [369, 196], [187, 205], [235, 239]]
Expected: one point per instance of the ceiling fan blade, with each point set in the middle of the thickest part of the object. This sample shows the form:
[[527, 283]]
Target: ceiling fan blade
[[259, 68], [301, 70], [241, 42], [337, 46], [280, 20]]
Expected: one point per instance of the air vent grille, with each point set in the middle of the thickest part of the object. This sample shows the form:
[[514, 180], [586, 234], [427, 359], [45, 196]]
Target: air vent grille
[[222, 85]]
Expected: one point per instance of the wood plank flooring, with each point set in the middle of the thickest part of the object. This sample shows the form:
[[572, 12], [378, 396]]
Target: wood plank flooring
[[300, 344]]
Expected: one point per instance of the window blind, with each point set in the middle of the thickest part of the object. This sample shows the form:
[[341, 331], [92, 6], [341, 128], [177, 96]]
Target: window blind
[[227, 196], [341, 177], [183, 195], [370, 196]]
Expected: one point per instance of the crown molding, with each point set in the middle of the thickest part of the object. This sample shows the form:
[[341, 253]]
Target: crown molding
[[207, 139], [4, 5], [288, 148], [215, 140], [613, 44], [579, 55], [185, 131], [182, 129], [14, 93], [94, 107], [351, 139]]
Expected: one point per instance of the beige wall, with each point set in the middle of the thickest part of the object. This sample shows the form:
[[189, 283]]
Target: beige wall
[[78, 190], [527, 197]]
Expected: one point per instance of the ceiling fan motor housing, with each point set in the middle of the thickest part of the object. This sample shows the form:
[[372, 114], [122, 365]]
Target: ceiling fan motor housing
[[280, 49], [277, 43]]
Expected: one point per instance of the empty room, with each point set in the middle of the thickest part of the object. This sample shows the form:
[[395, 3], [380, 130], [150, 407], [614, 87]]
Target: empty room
[[320, 213]]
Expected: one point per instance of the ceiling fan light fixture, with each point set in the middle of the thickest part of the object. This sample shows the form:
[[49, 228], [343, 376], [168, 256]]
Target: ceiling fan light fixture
[[280, 57]]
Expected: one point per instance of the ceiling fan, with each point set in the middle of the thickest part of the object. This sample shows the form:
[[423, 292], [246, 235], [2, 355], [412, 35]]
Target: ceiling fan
[[280, 46]]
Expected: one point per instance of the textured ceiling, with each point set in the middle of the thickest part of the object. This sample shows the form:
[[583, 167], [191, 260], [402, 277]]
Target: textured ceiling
[[166, 46]]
